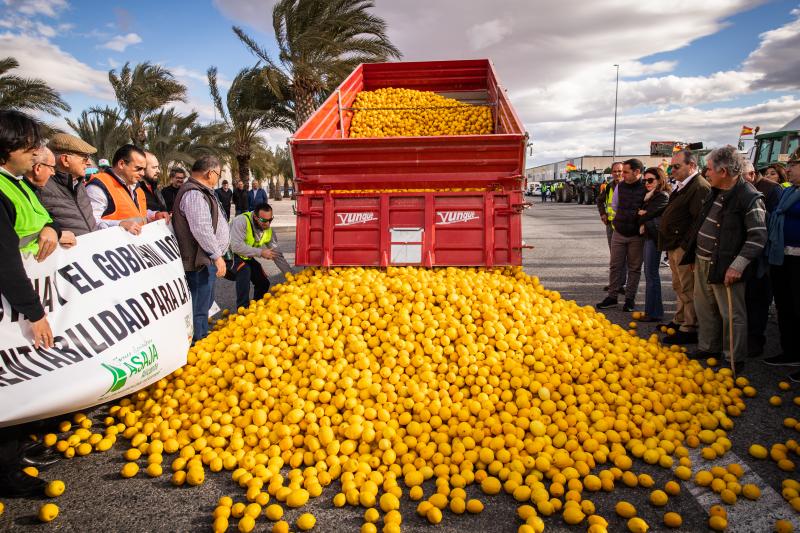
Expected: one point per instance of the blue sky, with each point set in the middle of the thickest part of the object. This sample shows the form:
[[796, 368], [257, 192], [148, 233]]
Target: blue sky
[[688, 71]]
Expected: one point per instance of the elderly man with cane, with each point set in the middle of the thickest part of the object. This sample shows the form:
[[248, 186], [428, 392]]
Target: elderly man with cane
[[726, 246]]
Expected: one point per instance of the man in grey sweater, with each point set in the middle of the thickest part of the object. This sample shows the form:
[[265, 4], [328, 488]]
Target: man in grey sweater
[[727, 241], [252, 238]]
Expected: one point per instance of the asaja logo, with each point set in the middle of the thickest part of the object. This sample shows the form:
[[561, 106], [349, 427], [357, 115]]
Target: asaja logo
[[140, 363], [454, 217], [350, 219]]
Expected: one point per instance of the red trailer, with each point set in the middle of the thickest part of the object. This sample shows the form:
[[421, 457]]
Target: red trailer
[[349, 210]]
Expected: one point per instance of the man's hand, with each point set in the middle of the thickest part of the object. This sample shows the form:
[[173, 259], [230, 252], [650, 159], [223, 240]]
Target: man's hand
[[48, 241], [162, 215], [42, 334], [266, 253], [219, 262], [604, 218], [732, 276], [641, 212], [134, 228], [68, 239]]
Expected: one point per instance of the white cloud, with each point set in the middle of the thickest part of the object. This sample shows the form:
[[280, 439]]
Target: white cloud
[[778, 57], [121, 42], [488, 33], [555, 59], [48, 8], [41, 59]]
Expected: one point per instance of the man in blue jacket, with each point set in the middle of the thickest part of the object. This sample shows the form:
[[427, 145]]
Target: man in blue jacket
[[256, 196], [627, 244]]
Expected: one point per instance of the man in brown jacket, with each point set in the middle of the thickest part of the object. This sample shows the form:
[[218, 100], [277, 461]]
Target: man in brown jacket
[[679, 216]]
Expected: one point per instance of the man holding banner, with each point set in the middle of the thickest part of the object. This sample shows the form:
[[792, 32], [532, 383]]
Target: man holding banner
[[25, 227]]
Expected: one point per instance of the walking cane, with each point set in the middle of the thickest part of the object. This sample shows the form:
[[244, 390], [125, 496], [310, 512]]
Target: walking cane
[[730, 328]]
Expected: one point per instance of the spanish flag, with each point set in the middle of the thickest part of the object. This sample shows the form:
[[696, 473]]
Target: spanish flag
[[570, 167], [746, 130]]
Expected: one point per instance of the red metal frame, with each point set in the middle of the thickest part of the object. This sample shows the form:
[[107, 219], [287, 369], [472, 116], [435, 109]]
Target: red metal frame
[[371, 226]]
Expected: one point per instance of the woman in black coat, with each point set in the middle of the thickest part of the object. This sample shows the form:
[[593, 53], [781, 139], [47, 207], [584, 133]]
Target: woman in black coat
[[655, 201]]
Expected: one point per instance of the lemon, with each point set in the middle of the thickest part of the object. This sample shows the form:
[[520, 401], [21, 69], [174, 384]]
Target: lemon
[[305, 521], [246, 524], [474, 506], [784, 526], [297, 498], [31, 471], [280, 527], [673, 520], [751, 492], [625, 509], [54, 488], [48, 512], [659, 498], [129, 470], [637, 525], [718, 523]]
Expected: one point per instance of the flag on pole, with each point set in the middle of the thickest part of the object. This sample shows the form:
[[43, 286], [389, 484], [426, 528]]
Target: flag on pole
[[746, 130], [570, 167]]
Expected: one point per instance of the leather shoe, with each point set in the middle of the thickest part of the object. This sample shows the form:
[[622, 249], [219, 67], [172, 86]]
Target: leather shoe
[[41, 461], [702, 354], [15, 483], [681, 337]]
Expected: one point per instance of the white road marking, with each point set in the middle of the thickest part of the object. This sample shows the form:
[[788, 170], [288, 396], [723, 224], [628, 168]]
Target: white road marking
[[745, 516]]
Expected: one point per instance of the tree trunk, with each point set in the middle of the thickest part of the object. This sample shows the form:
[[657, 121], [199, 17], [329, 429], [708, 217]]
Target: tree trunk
[[276, 191], [243, 162], [285, 187], [303, 101]]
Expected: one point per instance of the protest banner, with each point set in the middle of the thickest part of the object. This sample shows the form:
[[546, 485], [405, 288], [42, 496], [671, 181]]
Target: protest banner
[[121, 315]]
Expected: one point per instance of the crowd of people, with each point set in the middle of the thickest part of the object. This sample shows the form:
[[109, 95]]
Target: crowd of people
[[50, 193], [731, 235]]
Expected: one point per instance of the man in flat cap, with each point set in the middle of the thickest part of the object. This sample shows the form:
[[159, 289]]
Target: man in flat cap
[[64, 195]]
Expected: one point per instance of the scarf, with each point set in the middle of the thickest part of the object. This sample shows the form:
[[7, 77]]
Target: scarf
[[774, 248]]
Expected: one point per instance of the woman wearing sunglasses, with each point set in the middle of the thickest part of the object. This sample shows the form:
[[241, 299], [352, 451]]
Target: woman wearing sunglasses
[[655, 201]]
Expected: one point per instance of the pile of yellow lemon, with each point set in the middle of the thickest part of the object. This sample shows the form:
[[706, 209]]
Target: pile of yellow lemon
[[394, 112], [383, 379]]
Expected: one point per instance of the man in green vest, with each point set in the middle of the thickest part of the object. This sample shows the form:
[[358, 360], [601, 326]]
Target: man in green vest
[[25, 228], [252, 238]]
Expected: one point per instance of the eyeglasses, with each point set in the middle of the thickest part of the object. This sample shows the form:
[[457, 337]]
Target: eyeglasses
[[650, 180], [83, 157], [265, 220], [53, 167]]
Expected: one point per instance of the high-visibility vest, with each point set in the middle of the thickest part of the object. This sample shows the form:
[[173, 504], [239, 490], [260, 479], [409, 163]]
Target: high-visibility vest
[[31, 214], [249, 234], [610, 202], [121, 205]]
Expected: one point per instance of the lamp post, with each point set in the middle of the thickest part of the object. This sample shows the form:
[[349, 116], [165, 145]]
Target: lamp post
[[616, 99]]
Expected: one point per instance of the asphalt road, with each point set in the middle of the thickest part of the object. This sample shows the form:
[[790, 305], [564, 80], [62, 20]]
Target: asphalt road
[[570, 256]]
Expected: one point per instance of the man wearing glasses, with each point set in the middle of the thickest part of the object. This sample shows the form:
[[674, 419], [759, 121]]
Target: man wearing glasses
[[252, 237], [117, 199], [64, 195], [682, 211]]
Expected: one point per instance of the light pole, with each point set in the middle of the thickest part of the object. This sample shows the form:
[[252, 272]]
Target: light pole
[[616, 99]]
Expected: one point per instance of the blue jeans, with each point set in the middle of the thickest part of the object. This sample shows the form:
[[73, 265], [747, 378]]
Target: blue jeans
[[201, 286], [653, 307]]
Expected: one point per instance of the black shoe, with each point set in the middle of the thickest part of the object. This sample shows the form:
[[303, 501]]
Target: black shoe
[[648, 319], [608, 303], [702, 354], [14, 482], [681, 337], [621, 290], [605, 289], [795, 376], [40, 461], [629, 306], [662, 328], [781, 360]]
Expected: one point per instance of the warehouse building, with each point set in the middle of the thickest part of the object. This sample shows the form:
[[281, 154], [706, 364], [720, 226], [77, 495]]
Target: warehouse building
[[558, 170]]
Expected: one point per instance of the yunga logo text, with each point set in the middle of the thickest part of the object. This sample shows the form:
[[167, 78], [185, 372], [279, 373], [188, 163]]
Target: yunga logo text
[[454, 217], [349, 219]]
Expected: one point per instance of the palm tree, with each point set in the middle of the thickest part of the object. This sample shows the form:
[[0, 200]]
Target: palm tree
[[175, 138], [27, 94], [248, 110], [283, 163], [141, 92], [319, 44], [103, 128]]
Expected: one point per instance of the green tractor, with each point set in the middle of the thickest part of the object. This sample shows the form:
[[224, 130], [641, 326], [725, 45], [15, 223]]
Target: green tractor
[[585, 185], [776, 146]]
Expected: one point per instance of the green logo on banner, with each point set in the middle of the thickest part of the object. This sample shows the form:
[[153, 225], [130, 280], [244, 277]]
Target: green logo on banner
[[118, 375], [142, 363]]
